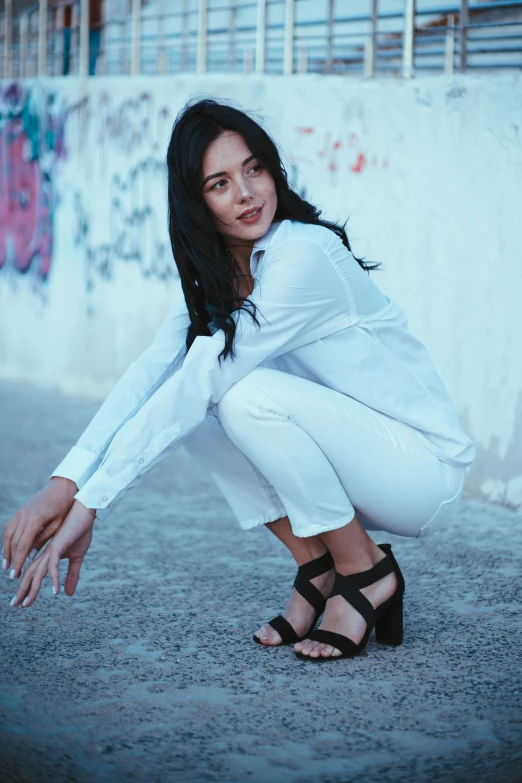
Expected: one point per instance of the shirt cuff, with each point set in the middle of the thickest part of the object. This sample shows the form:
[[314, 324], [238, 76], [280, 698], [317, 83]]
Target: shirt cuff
[[78, 466], [98, 492]]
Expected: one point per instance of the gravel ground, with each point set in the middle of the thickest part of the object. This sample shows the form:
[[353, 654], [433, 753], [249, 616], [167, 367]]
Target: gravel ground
[[149, 673]]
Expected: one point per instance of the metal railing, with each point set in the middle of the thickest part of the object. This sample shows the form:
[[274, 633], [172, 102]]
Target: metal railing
[[262, 36]]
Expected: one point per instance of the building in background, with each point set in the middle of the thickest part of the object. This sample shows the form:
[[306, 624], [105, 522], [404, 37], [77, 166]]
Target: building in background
[[364, 37]]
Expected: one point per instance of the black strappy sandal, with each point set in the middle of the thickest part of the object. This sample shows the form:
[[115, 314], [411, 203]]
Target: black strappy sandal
[[387, 618], [310, 592]]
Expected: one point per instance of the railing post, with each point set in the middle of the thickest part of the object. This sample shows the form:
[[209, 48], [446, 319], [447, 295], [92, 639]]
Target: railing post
[[409, 40], [202, 37], [288, 55], [260, 36], [449, 44], [34, 38], [2, 38], [42, 38], [59, 21], [232, 35], [329, 40], [122, 34], [101, 60], [136, 37], [368, 70], [162, 56], [464, 22], [370, 47], [84, 38], [8, 39], [185, 54], [24, 37]]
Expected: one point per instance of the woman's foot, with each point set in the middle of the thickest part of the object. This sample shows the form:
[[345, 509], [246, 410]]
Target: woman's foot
[[341, 617], [299, 613]]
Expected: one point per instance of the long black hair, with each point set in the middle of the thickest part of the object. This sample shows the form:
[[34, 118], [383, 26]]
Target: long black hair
[[207, 272]]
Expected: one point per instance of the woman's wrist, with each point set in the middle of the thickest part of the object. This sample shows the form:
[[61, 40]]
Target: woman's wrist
[[65, 482]]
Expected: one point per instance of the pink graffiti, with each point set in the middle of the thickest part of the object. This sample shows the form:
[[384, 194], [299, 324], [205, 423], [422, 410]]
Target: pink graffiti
[[26, 195]]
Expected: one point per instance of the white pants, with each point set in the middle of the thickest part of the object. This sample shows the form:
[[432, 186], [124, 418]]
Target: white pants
[[279, 445]]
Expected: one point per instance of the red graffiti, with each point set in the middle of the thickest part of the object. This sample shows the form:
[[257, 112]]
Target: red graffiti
[[354, 157]]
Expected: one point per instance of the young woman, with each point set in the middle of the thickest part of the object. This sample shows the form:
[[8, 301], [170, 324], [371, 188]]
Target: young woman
[[291, 379]]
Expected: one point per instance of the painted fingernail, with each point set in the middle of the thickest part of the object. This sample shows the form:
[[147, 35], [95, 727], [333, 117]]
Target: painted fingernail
[[13, 600], [4, 564], [33, 553], [12, 573], [24, 602]]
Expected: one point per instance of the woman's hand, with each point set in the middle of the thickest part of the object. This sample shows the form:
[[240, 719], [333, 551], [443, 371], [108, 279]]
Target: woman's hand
[[36, 522], [71, 541]]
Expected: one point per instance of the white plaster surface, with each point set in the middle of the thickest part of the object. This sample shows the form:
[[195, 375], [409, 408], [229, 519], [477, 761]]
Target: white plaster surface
[[429, 174]]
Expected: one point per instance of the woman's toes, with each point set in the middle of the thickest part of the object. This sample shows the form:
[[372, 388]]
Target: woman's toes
[[303, 646], [268, 636], [326, 650]]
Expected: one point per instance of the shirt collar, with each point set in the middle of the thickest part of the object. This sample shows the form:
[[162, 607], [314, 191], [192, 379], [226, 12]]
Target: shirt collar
[[263, 242]]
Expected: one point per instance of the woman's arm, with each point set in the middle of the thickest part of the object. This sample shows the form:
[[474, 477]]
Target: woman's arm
[[38, 519], [139, 382], [300, 298]]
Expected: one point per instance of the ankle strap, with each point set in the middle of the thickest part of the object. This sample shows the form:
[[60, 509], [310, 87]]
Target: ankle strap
[[363, 578], [316, 567]]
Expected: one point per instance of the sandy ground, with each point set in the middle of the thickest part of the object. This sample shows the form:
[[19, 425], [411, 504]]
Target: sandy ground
[[149, 673]]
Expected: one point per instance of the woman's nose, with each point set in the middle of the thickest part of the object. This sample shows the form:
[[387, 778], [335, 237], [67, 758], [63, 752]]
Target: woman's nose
[[243, 190]]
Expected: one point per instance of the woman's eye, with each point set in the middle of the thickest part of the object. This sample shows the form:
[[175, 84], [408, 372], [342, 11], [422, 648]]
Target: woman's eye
[[215, 187], [257, 166]]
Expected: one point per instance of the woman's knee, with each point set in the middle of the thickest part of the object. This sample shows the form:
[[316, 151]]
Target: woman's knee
[[242, 401]]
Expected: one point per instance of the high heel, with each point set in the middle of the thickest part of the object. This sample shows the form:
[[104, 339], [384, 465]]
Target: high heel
[[387, 618], [388, 628], [310, 592]]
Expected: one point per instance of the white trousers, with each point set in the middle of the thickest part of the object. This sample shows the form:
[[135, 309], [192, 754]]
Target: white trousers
[[279, 445]]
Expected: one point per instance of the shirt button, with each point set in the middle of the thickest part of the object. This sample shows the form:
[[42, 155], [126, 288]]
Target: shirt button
[[111, 505], [141, 460], [105, 497]]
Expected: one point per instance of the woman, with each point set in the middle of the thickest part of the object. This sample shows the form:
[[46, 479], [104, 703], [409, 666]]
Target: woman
[[290, 377]]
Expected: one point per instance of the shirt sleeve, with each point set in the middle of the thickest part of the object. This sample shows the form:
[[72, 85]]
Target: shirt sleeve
[[300, 298], [141, 379]]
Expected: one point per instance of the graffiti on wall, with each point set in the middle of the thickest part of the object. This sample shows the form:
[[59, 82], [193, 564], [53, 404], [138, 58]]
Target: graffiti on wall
[[337, 153], [135, 233], [115, 181], [130, 136], [31, 141]]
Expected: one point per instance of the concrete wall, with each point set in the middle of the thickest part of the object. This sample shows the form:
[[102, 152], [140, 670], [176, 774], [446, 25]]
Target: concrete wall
[[428, 171]]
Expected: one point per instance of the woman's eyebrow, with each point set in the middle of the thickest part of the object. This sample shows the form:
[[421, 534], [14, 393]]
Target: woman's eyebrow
[[221, 173]]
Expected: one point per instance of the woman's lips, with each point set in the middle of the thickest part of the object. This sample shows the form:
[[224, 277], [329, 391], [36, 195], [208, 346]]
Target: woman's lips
[[254, 218]]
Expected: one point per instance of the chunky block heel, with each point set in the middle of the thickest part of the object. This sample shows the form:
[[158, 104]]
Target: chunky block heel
[[388, 628], [386, 619]]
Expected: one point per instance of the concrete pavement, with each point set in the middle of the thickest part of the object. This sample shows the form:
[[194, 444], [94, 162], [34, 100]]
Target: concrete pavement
[[149, 672]]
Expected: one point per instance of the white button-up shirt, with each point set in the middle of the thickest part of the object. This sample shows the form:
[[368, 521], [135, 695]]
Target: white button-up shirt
[[321, 317]]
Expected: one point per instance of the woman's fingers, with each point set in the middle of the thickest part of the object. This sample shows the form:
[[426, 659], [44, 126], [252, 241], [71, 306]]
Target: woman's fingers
[[21, 542], [51, 504], [44, 536], [7, 536], [54, 562], [73, 575], [31, 581], [71, 541]]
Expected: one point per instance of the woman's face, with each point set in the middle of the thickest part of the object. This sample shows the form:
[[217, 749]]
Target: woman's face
[[234, 182]]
